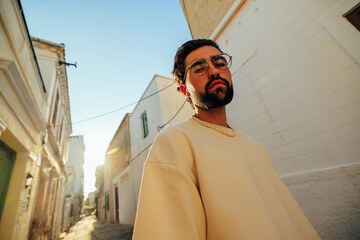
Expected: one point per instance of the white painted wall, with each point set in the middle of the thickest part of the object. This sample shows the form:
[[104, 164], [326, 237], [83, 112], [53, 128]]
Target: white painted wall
[[76, 160], [160, 108], [152, 107], [91, 197], [47, 62], [139, 144], [137, 170], [297, 91], [127, 204], [25, 107], [70, 180], [170, 102]]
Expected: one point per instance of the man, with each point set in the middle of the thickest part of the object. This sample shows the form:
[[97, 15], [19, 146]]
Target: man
[[204, 180]]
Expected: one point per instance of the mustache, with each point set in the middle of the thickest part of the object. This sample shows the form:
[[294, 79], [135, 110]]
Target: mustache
[[216, 78]]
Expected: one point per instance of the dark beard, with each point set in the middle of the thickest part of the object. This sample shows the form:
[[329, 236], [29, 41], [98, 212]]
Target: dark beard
[[209, 100]]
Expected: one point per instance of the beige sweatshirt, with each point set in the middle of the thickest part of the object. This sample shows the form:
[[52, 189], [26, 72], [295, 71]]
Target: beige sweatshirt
[[200, 184]]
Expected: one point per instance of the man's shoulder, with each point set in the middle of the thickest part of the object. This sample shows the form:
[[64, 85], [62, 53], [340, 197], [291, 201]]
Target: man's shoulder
[[173, 139], [180, 126], [189, 129], [177, 129]]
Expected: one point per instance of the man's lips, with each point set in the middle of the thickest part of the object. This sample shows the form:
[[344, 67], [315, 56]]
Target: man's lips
[[216, 83]]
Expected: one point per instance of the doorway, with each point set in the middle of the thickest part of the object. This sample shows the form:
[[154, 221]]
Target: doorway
[[116, 204], [7, 159]]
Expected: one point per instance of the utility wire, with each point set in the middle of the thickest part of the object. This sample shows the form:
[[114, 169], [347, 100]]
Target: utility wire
[[104, 114], [160, 128], [140, 152], [173, 116], [118, 109]]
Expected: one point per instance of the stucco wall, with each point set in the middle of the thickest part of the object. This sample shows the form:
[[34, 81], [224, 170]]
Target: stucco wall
[[297, 91], [127, 204], [160, 109], [171, 103], [153, 111], [330, 199], [204, 16], [139, 145], [48, 61], [22, 111], [137, 171], [118, 151], [14, 45], [76, 159]]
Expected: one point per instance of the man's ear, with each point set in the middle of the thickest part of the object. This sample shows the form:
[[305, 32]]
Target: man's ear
[[183, 89]]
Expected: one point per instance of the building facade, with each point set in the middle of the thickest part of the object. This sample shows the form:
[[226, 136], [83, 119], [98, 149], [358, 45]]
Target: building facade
[[159, 106], [75, 181], [91, 197], [48, 215], [116, 160], [150, 116], [296, 79], [35, 125], [99, 193]]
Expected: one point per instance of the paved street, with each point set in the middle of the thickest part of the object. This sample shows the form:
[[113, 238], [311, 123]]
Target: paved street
[[90, 229]]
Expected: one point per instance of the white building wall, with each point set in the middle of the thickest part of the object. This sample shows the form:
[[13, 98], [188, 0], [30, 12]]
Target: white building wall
[[106, 179], [48, 64], [153, 111], [297, 91], [160, 108], [76, 160], [171, 101], [74, 181], [139, 145], [91, 197], [58, 214], [26, 101], [137, 171], [126, 197], [71, 175]]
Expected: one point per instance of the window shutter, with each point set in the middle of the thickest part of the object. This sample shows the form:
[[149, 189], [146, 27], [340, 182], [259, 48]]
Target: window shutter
[[145, 124]]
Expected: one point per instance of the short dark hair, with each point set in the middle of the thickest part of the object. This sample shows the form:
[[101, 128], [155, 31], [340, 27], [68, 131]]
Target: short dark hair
[[183, 51]]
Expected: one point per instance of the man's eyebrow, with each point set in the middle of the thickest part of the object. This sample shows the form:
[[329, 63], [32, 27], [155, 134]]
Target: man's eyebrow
[[217, 57], [198, 62]]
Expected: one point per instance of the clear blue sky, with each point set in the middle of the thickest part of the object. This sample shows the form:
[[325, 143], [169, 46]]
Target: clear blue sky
[[118, 46]]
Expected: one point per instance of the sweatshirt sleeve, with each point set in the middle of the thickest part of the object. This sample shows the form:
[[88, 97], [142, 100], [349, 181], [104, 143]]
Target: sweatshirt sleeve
[[170, 205]]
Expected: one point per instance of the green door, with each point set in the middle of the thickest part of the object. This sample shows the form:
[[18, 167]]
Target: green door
[[7, 158]]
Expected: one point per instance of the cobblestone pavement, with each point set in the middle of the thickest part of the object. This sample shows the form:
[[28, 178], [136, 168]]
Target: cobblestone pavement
[[90, 229]]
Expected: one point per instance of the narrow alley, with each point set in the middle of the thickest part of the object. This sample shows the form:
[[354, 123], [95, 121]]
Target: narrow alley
[[90, 229], [94, 94]]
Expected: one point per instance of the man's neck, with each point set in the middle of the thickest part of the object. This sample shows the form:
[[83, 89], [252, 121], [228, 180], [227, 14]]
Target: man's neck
[[214, 115]]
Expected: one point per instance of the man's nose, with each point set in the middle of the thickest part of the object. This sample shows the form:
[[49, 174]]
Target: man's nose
[[213, 71]]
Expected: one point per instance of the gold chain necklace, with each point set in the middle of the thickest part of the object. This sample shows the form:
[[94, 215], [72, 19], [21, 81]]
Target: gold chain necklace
[[233, 134]]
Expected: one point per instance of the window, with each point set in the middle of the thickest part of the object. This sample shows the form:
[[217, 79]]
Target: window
[[55, 108], [71, 210], [61, 130], [353, 16], [341, 22], [145, 124], [107, 207], [7, 159]]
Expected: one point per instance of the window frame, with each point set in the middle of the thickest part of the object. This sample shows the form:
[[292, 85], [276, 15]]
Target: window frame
[[145, 124], [344, 32]]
